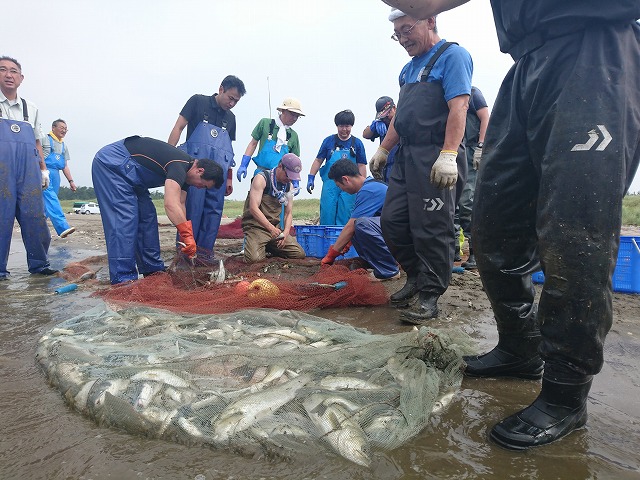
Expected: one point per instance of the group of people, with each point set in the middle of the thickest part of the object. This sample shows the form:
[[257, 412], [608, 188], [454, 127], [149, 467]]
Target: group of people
[[540, 186]]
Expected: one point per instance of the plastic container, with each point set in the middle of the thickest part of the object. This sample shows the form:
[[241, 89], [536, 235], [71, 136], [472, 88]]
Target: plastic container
[[316, 240], [626, 276]]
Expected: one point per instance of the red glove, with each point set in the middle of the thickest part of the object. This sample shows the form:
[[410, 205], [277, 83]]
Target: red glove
[[229, 188], [186, 235], [330, 257]]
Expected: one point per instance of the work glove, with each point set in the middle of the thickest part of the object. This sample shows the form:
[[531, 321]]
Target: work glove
[[185, 229], [444, 172], [296, 187], [310, 182], [477, 155], [45, 179], [378, 162], [330, 257], [242, 169], [229, 189], [379, 127]]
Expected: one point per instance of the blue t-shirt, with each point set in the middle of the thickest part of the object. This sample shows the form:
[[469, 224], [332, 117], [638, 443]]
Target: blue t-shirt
[[329, 145], [369, 199], [452, 70]]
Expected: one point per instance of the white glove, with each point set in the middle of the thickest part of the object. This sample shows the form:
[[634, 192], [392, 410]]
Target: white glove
[[444, 172], [45, 179], [477, 155], [378, 162]]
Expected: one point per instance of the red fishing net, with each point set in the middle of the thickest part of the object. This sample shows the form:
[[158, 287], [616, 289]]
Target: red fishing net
[[282, 284]]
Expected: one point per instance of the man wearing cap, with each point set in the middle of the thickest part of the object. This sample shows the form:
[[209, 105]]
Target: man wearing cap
[[275, 137], [430, 165], [335, 205], [561, 151], [270, 191], [385, 111], [211, 127], [23, 173]]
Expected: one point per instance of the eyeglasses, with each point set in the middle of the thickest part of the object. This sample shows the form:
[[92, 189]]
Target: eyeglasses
[[404, 33]]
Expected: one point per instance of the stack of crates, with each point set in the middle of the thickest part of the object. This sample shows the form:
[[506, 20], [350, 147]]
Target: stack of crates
[[626, 276], [316, 240]]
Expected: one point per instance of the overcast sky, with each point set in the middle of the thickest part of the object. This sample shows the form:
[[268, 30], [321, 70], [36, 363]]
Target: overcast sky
[[120, 68]]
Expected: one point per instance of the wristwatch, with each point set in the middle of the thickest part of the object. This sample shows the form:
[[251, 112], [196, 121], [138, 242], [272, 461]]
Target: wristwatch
[[480, 144]]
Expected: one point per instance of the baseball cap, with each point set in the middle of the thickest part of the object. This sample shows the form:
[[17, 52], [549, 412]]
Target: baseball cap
[[383, 107], [291, 104], [293, 165]]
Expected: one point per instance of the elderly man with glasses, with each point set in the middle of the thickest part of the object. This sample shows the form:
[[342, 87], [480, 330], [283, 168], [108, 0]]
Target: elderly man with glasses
[[430, 170]]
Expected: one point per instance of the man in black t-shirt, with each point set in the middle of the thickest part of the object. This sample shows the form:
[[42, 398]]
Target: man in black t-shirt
[[561, 151], [122, 174]]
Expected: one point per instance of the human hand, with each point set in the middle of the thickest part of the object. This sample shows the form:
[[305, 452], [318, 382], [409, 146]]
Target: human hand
[[242, 169], [477, 156], [444, 172], [45, 179], [330, 257], [379, 127], [378, 162], [185, 229], [310, 181]]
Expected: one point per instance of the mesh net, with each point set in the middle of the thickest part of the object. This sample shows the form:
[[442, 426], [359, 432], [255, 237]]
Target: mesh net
[[275, 382], [276, 283]]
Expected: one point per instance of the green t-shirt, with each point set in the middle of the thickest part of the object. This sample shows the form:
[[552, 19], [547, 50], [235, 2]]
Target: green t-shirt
[[261, 133]]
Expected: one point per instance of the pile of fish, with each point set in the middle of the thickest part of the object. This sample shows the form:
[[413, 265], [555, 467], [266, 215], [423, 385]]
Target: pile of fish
[[279, 381]]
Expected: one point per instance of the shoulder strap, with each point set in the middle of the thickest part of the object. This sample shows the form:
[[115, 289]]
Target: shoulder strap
[[272, 125], [352, 150], [336, 142], [434, 59], [25, 111]]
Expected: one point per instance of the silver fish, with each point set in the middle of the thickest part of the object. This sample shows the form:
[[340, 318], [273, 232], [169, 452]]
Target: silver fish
[[162, 376]]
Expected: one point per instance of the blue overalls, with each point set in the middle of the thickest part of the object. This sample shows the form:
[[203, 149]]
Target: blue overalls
[[204, 206], [21, 198], [52, 208], [128, 215], [335, 205]]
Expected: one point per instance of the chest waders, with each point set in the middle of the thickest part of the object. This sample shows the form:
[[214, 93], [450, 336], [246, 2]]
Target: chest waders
[[417, 218], [52, 208], [21, 199], [335, 205], [204, 206], [128, 215]]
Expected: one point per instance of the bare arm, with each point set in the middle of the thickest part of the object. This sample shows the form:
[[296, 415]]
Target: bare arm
[[43, 166], [392, 138], [315, 166], [258, 184], [483, 115], [367, 133], [176, 131], [251, 148], [345, 235], [422, 9], [174, 199], [456, 122]]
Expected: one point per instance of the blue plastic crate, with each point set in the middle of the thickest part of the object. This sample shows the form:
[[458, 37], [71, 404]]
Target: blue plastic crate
[[316, 240], [626, 276]]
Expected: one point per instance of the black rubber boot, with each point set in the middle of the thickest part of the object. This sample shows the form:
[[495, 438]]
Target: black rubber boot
[[559, 409], [500, 362], [405, 296], [470, 264], [426, 309]]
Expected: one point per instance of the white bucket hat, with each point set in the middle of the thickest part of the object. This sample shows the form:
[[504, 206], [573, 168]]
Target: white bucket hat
[[291, 104]]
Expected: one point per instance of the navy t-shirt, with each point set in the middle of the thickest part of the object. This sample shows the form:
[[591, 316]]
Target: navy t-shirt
[[370, 199], [329, 145]]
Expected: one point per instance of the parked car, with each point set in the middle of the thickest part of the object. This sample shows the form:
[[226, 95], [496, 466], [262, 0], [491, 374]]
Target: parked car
[[77, 206], [90, 207]]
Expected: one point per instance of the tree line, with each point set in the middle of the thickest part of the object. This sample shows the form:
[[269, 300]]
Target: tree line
[[88, 193]]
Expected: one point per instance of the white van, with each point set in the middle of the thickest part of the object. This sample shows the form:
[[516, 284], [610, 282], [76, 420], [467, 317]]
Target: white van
[[90, 207]]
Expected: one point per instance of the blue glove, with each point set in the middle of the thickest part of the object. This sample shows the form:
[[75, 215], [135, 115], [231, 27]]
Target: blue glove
[[242, 169], [379, 127], [310, 181], [296, 187]]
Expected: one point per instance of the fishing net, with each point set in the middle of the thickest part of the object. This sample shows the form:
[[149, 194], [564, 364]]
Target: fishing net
[[209, 286], [257, 381]]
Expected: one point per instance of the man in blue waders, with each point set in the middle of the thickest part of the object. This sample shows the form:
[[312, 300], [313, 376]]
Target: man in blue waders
[[363, 228], [385, 111], [211, 127], [123, 172], [275, 137], [335, 205], [561, 151], [56, 157], [430, 165], [24, 174]]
